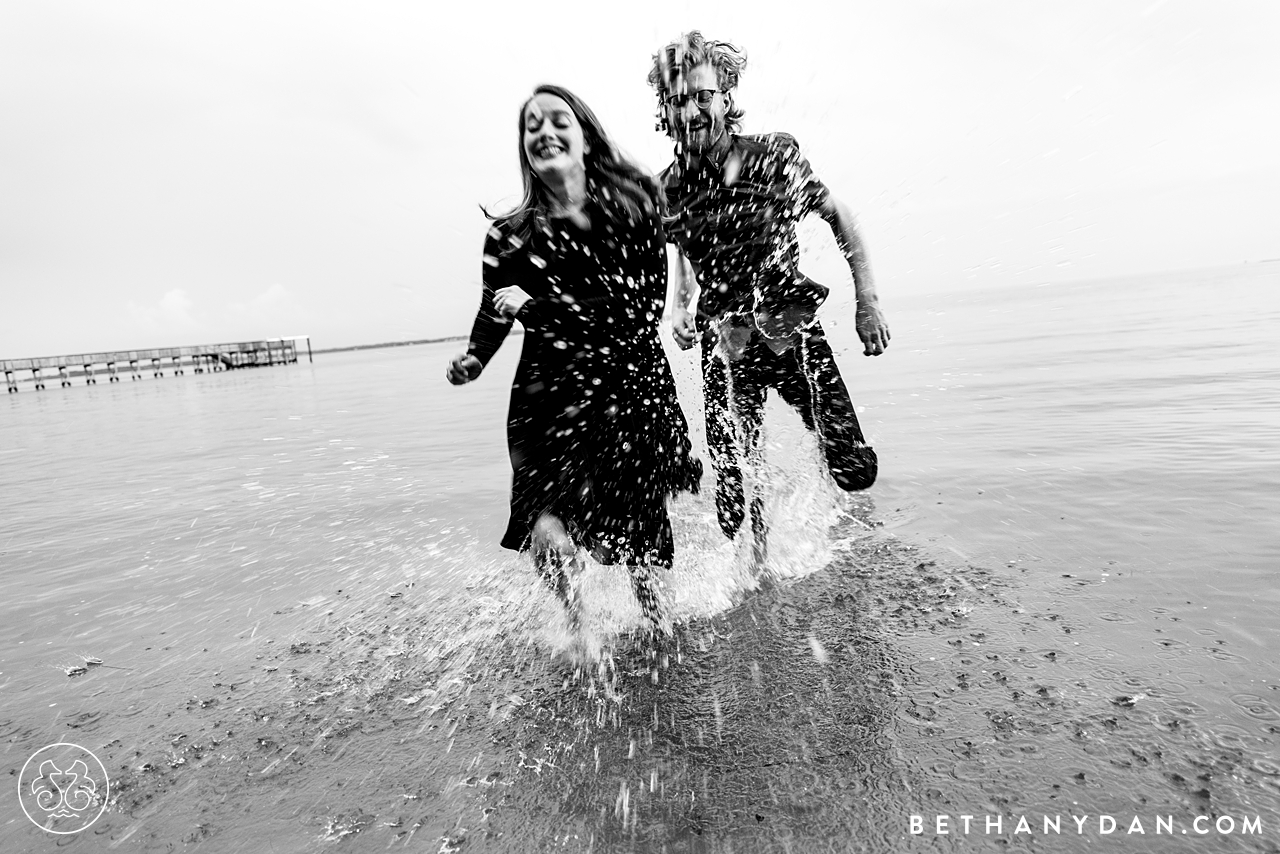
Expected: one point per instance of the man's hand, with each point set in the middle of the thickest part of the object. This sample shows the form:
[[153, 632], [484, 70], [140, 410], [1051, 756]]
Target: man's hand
[[684, 328], [508, 301], [872, 329], [463, 369], [734, 335]]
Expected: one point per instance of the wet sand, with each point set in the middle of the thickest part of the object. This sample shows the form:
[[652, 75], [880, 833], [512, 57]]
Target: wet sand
[[818, 714]]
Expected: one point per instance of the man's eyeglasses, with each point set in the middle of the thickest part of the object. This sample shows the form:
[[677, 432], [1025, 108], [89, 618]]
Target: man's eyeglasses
[[702, 98]]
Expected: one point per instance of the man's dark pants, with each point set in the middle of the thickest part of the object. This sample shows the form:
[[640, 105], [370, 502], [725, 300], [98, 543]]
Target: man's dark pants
[[807, 378]]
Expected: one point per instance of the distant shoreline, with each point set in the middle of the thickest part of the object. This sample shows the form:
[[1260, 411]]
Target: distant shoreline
[[400, 343]]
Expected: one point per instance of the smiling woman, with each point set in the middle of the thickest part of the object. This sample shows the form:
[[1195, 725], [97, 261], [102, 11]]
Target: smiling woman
[[554, 145], [595, 432]]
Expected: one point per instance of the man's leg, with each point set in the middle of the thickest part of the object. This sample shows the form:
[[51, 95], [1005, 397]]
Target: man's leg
[[734, 408], [644, 583], [810, 381]]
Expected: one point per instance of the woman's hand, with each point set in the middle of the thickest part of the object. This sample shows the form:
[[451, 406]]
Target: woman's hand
[[684, 327], [508, 301], [463, 369]]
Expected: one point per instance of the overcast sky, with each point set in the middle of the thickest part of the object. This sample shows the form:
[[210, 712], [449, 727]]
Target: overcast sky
[[183, 173]]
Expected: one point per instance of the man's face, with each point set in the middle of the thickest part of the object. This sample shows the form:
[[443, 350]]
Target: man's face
[[696, 127]]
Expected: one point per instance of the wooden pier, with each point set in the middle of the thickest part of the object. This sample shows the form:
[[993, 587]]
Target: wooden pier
[[199, 359]]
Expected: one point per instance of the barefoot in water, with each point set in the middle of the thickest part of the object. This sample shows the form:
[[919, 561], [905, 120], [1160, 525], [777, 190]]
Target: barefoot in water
[[760, 562], [759, 542], [645, 584], [583, 651], [573, 607]]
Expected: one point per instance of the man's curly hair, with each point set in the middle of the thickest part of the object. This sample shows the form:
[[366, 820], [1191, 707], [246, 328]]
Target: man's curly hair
[[687, 53]]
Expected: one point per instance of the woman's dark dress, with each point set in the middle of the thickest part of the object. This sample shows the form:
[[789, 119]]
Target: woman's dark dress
[[595, 432]]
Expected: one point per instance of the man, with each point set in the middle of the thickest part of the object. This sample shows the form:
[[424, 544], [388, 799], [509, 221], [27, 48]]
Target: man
[[734, 202]]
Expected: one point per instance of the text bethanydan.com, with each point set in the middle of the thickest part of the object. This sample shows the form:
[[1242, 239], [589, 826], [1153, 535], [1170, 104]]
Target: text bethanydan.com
[[1102, 825]]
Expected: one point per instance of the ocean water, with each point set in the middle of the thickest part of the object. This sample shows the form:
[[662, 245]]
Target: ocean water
[[1060, 599]]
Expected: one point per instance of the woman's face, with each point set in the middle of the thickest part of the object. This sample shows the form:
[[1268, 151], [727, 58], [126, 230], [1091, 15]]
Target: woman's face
[[552, 137]]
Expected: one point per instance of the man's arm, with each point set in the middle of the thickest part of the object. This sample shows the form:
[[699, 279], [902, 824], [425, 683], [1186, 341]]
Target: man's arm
[[684, 328], [872, 327]]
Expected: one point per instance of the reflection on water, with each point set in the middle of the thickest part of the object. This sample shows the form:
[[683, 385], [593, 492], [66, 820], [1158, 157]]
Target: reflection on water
[[309, 639]]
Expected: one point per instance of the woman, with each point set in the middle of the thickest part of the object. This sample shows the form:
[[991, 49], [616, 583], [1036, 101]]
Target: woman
[[595, 432]]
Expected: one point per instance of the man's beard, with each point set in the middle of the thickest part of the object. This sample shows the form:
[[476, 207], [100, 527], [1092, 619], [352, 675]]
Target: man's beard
[[698, 141]]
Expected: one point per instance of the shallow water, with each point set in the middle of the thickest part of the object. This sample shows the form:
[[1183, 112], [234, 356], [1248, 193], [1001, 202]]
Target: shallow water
[[1056, 601]]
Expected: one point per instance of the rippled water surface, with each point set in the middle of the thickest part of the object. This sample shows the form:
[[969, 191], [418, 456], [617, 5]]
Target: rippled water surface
[[1059, 600]]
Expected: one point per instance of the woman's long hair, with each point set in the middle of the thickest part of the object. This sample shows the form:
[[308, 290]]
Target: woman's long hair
[[623, 190]]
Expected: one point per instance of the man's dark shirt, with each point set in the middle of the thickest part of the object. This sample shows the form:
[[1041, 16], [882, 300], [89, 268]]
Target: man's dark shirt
[[736, 222]]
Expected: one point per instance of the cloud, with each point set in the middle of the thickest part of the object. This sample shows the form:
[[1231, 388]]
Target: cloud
[[270, 312], [173, 311]]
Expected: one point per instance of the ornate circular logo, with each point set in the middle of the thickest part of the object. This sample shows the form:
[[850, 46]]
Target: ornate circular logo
[[63, 788]]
